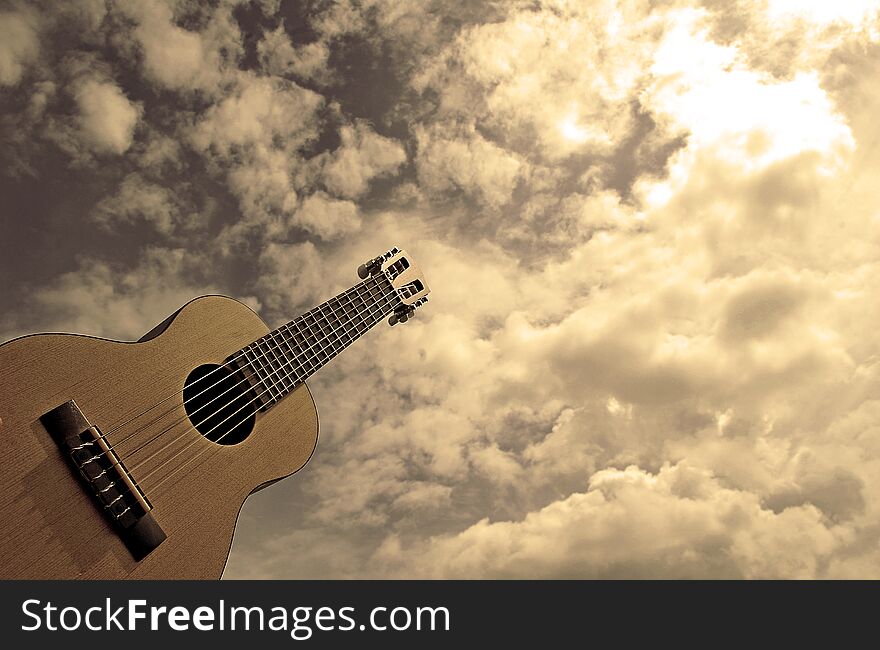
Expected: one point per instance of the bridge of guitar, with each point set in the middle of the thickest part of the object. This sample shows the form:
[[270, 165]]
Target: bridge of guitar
[[104, 476]]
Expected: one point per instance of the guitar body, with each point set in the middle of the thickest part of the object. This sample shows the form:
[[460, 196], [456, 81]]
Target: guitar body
[[51, 527]]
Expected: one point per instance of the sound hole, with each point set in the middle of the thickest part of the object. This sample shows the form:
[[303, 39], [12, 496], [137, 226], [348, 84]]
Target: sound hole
[[217, 403]]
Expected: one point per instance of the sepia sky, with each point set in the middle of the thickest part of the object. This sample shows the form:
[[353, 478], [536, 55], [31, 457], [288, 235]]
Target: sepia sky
[[651, 228]]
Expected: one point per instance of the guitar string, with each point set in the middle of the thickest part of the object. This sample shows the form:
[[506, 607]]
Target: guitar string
[[272, 347], [386, 298], [338, 312], [357, 313], [257, 357], [116, 427], [153, 489], [270, 387], [243, 352]]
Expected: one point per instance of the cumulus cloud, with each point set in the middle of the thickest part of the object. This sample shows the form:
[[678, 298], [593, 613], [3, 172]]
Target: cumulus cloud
[[182, 59], [469, 163], [99, 299], [139, 200], [555, 96], [107, 119], [19, 43], [672, 356], [255, 135], [259, 111], [290, 273], [679, 523], [280, 57], [327, 218], [362, 156]]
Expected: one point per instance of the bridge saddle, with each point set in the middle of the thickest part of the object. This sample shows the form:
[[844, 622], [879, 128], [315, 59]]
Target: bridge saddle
[[105, 477]]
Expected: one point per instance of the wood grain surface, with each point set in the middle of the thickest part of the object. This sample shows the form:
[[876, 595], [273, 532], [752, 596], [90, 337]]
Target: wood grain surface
[[50, 527]]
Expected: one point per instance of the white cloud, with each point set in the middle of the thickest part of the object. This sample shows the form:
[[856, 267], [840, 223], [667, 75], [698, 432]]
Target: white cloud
[[255, 135], [679, 523], [98, 299], [180, 59], [701, 87], [264, 187], [327, 218], [853, 12], [290, 274], [258, 111], [467, 162], [555, 96], [707, 334], [362, 156], [139, 200], [19, 44], [280, 57], [107, 119]]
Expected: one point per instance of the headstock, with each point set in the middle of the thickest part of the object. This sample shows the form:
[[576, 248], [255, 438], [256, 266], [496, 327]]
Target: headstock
[[405, 276]]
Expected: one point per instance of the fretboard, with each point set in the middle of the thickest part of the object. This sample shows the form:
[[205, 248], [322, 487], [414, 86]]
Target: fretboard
[[283, 359]]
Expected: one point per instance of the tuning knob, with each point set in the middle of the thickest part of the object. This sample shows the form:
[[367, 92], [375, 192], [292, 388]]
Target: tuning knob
[[401, 316], [369, 267]]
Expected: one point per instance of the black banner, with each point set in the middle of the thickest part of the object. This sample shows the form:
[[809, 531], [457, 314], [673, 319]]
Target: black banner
[[427, 613]]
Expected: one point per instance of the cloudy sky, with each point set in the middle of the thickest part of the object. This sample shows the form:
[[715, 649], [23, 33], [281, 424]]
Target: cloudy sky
[[650, 226]]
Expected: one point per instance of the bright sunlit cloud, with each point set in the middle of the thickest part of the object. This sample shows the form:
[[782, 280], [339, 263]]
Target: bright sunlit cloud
[[719, 101], [572, 132], [822, 12]]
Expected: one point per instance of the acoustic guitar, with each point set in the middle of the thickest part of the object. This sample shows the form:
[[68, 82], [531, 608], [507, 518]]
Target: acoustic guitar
[[133, 459]]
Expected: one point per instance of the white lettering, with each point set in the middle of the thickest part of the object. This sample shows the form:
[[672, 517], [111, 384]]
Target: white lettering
[[408, 618], [203, 618], [77, 618], [24, 609], [373, 618], [134, 614], [89, 618], [298, 626], [178, 618], [113, 619]]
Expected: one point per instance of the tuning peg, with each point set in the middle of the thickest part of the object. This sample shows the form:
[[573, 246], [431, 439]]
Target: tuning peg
[[401, 316], [369, 267]]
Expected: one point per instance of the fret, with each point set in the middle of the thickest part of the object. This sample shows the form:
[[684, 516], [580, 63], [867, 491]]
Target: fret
[[320, 350], [265, 371], [337, 326], [312, 338], [298, 373], [339, 331], [283, 365], [327, 343], [302, 342], [348, 317], [259, 386], [359, 308], [277, 366], [285, 357]]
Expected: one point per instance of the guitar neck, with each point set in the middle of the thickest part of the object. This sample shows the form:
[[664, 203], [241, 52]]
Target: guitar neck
[[285, 357]]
